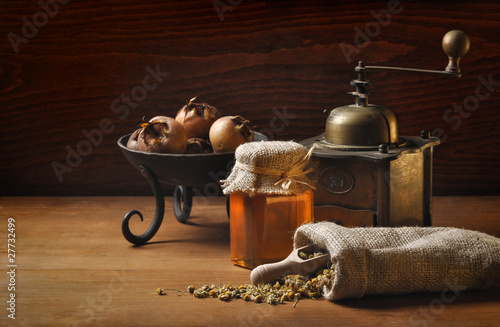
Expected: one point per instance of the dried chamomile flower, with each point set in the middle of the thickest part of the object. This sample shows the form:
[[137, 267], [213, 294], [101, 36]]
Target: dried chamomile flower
[[287, 288], [161, 291]]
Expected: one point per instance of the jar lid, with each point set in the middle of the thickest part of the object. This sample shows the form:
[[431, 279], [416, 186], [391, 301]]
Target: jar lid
[[270, 167]]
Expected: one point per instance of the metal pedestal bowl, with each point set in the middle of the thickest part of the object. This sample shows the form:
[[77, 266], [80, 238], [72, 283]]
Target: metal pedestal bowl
[[185, 171]]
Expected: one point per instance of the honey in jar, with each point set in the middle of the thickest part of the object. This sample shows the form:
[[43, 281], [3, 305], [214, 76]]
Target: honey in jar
[[270, 196]]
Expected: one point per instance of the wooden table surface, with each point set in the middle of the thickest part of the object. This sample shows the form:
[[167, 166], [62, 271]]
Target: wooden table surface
[[74, 268]]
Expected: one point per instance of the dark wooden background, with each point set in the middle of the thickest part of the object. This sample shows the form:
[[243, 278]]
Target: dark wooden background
[[254, 57]]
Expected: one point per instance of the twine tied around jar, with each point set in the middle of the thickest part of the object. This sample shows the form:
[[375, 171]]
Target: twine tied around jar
[[287, 176], [270, 168]]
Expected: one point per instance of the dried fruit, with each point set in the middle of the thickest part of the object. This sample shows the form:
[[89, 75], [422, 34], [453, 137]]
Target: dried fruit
[[228, 132], [132, 141], [162, 135], [197, 118], [197, 145]]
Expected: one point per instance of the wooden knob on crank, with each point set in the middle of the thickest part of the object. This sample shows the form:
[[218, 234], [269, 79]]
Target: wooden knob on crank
[[455, 44]]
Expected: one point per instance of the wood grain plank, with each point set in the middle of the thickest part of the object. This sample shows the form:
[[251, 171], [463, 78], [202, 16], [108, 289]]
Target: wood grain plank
[[281, 55], [75, 268]]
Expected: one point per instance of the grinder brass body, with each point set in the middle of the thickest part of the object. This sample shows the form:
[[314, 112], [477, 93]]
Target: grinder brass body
[[368, 175], [386, 187]]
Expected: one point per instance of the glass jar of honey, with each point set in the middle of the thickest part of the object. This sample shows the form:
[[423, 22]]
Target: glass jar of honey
[[269, 197]]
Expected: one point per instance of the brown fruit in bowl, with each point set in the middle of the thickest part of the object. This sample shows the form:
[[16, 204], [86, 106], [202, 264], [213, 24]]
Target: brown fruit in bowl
[[162, 135], [228, 132], [197, 118], [132, 140], [197, 145]]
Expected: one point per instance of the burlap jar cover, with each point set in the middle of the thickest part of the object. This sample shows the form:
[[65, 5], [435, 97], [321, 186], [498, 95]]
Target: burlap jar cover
[[395, 260], [269, 167]]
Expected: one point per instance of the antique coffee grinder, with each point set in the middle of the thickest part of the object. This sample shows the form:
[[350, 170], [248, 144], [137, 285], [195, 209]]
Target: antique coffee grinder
[[367, 174]]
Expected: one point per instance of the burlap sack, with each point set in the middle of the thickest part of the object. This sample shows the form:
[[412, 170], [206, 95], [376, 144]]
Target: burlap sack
[[269, 167], [395, 260]]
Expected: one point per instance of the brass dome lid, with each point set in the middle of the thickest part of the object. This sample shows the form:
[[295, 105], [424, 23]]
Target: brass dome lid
[[361, 126]]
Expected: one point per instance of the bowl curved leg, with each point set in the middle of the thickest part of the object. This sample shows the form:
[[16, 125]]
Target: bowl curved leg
[[158, 218], [183, 202]]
